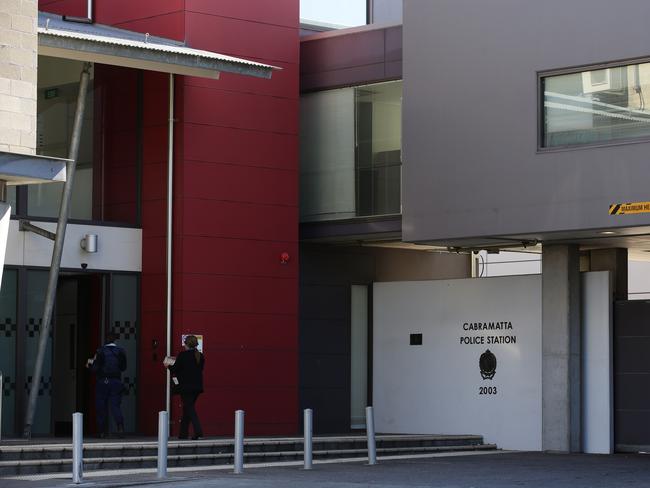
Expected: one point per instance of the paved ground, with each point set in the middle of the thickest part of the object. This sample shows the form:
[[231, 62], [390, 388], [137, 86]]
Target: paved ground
[[531, 470]]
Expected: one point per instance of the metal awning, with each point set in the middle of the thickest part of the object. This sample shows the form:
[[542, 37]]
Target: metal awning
[[25, 169], [104, 44]]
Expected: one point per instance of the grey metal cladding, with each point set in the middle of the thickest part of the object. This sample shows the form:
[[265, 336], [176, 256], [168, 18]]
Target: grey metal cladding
[[470, 118]]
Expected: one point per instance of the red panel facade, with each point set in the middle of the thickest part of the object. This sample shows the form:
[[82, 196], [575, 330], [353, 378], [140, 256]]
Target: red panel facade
[[240, 212], [235, 207], [116, 144]]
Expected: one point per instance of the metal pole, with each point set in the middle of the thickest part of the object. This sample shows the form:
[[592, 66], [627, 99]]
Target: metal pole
[[163, 436], [50, 296], [170, 209], [77, 447], [239, 442], [370, 432], [308, 427]]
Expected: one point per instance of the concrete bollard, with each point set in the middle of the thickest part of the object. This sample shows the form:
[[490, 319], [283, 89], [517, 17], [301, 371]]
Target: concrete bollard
[[239, 442], [77, 448], [308, 428], [163, 439], [370, 432]]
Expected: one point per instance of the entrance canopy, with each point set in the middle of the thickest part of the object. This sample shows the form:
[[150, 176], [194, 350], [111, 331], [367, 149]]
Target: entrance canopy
[[104, 44], [25, 169]]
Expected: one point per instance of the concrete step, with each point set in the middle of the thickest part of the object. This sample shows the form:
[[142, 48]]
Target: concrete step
[[18, 460]]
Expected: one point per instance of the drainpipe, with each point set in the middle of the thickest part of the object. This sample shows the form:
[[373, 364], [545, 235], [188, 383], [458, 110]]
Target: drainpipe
[[170, 194], [58, 249]]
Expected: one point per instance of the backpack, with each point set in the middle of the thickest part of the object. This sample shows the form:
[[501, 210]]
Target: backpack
[[113, 361]]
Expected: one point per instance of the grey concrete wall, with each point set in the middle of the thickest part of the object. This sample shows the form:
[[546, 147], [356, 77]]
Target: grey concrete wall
[[561, 349], [470, 117], [18, 61]]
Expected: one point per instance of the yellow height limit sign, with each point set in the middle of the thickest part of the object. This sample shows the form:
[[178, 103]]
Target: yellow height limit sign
[[629, 208]]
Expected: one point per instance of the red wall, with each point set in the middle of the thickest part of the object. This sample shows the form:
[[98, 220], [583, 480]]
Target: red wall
[[239, 205], [115, 144], [235, 205]]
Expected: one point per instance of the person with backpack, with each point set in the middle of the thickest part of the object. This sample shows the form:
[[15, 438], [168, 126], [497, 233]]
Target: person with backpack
[[108, 364], [188, 370]]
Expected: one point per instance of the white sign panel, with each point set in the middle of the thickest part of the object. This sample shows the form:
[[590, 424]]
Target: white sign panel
[[478, 368]]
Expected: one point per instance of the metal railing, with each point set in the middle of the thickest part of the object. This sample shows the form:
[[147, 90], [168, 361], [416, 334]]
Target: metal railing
[[163, 439]]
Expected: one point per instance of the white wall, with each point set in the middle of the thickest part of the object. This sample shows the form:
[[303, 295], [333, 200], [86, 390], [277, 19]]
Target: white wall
[[638, 280], [119, 248], [597, 363], [435, 388]]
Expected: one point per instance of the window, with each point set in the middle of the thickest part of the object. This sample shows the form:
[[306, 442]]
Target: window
[[106, 181], [596, 106], [58, 86], [350, 152]]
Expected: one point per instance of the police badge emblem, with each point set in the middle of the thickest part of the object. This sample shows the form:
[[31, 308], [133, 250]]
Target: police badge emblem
[[488, 365]]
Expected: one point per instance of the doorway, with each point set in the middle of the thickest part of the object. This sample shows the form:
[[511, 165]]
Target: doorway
[[76, 332], [87, 306]]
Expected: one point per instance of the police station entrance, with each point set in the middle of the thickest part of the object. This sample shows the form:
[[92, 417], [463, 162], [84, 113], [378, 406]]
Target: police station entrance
[[88, 305]]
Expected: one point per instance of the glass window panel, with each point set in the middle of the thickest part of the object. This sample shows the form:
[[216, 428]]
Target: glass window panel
[[379, 143], [124, 322], [327, 155], [58, 87], [36, 288], [350, 152], [596, 106], [8, 332]]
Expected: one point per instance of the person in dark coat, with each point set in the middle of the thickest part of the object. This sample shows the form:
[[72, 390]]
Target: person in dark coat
[[108, 364], [188, 369]]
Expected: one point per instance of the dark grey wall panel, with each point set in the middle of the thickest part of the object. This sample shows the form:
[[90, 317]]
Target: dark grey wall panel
[[470, 117], [326, 273], [633, 429], [632, 392], [327, 419], [632, 354], [632, 373], [630, 318], [325, 336], [324, 301]]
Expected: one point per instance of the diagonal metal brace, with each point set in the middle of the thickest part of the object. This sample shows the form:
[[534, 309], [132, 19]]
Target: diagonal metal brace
[[26, 226]]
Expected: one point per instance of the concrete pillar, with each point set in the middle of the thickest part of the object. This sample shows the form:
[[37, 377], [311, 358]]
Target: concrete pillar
[[18, 61], [615, 261], [561, 349]]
